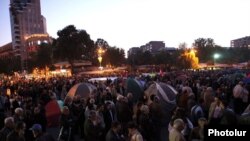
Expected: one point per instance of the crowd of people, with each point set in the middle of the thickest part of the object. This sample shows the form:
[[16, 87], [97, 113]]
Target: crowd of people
[[112, 114]]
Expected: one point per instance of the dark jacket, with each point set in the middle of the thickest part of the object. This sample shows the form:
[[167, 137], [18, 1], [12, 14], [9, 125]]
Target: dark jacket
[[45, 137], [4, 133], [92, 132], [112, 136], [14, 136]]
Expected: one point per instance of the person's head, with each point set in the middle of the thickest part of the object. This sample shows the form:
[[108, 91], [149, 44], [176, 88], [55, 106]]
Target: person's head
[[36, 110], [20, 127], [19, 111], [209, 90], [92, 101], [36, 129], [119, 98], [179, 124], [108, 106], [116, 126], [65, 110], [129, 95], [144, 109], [9, 122], [92, 115], [100, 107], [132, 126], [241, 83], [202, 122], [217, 99]]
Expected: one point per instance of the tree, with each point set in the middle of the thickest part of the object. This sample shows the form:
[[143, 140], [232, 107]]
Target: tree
[[183, 45], [114, 56], [205, 48], [200, 43], [10, 65], [72, 44], [101, 43], [44, 55]]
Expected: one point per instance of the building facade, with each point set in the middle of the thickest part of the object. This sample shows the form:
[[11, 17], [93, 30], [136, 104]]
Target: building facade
[[241, 42], [33, 41], [26, 20], [6, 51], [133, 51], [153, 46]]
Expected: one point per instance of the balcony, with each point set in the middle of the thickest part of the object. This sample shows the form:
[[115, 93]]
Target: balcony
[[16, 25], [17, 39], [17, 47], [18, 42]]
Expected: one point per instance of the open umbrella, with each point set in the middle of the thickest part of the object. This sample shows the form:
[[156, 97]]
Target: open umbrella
[[167, 98], [53, 113], [165, 92], [167, 102], [136, 87], [82, 90]]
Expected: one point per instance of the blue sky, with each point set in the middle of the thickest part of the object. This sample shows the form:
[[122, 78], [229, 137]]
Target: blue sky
[[131, 23]]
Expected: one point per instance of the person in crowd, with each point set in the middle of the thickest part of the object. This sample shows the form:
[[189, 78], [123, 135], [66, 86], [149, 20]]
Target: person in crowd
[[228, 116], [19, 115], [18, 133], [215, 111], [197, 112], [238, 92], [92, 127], [145, 123], [197, 133], [175, 133], [2, 110], [8, 127], [124, 112], [133, 133], [120, 89], [208, 97], [66, 125], [90, 106], [76, 109], [180, 113], [99, 114], [40, 118], [39, 135], [108, 115], [156, 114], [114, 132]]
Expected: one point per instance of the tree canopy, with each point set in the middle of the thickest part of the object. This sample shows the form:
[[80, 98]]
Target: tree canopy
[[73, 43]]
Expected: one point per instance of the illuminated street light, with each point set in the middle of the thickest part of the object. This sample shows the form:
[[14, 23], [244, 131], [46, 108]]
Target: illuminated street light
[[216, 56], [100, 52]]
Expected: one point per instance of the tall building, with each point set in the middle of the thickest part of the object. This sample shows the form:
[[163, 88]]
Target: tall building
[[241, 42], [25, 19], [153, 46], [133, 51], [6, 51]]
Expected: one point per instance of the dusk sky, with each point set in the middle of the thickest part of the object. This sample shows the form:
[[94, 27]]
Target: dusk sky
[[132, 23]]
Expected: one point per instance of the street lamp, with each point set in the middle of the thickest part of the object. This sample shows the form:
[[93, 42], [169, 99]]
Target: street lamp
[[100, 51], [216, 56]]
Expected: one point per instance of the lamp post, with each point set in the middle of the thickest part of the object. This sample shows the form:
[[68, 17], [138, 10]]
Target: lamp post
[[216, 56], [100, 52]]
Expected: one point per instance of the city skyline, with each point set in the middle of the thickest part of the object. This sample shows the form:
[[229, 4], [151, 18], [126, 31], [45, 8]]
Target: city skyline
[[127, 23]]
